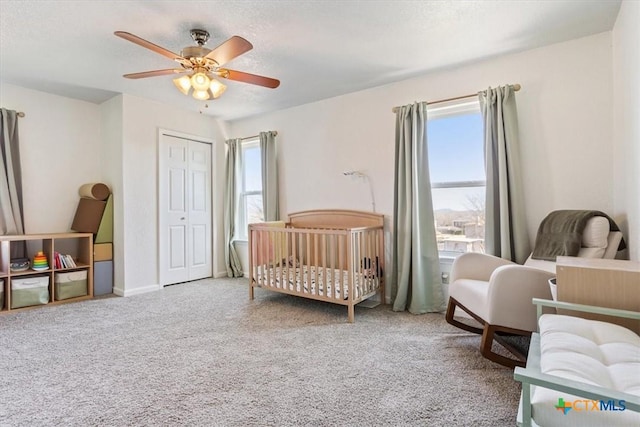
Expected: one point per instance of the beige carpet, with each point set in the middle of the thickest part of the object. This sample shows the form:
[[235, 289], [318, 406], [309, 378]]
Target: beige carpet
[[202, 354]]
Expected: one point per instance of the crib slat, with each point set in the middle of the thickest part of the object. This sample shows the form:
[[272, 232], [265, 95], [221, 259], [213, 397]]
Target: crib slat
[[324, 264], [259, 258], [315, 264], [366, 269], [339, 259], [293, 263], [361, 265], [308, 263], [365, 260], [353, 266], [359, 262], [264, 248], [374, 257], [268, 238], [284, 257], [351, 310], [345, 249], [367, 277], [299, 264], [270, 245], [294, 260], [299, 260], [251, 258], [381, 255]]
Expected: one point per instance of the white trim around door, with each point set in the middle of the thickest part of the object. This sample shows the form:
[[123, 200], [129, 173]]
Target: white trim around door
[[185, 207]]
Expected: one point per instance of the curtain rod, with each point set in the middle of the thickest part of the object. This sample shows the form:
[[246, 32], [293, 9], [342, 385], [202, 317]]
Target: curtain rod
[[275, 133], [20, 114], [516, 87]]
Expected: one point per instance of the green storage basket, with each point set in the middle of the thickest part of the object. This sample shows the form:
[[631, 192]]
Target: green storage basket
[[70, 285], [27, 291]]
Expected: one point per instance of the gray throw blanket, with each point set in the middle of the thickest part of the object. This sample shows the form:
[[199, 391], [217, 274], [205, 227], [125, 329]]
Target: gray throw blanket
[[560, 233]]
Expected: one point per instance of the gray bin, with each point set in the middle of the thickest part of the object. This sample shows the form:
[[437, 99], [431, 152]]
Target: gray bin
[[102, 278]]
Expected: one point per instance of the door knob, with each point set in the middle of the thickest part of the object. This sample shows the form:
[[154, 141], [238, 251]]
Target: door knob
[[182, 219]]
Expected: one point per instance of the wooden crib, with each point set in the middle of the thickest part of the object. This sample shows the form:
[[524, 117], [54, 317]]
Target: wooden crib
[[335, 256]]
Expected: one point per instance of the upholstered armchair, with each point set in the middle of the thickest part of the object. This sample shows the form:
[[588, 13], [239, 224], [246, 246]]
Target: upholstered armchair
[[497, 293]]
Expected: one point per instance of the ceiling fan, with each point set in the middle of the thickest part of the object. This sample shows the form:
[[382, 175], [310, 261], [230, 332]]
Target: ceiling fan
[[203, 64]]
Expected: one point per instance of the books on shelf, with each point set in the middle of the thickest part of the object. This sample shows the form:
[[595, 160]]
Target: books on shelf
[[63, 261]]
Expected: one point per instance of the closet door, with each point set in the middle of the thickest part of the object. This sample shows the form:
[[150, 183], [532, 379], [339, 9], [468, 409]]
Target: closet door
[[199, 211], [184, 210]]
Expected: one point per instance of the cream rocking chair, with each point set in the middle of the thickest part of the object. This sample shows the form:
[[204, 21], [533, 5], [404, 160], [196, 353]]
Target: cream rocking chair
[[497, 293]]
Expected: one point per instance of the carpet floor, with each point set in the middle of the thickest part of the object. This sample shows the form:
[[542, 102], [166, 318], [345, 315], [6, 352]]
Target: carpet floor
[[202, 354]]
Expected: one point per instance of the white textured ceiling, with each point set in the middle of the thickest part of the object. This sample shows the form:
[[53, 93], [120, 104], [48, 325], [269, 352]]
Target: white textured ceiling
[[317, 49]]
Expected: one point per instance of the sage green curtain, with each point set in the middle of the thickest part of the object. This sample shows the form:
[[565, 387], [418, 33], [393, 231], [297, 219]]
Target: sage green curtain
[[234, 165], [416, 265], [11, 210], [506, 233], [269, 163]]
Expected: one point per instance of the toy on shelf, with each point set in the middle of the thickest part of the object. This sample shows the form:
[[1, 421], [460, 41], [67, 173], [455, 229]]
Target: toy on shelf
[[19, 264], [40, 262]]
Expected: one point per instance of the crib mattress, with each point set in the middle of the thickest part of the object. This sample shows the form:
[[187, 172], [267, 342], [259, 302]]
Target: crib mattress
[[329, 282]]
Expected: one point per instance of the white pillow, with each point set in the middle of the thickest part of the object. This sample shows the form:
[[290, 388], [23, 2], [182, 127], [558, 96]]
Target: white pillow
[[595, 233]]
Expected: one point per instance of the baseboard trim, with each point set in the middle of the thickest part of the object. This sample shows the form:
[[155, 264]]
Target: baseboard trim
[[130, 292]]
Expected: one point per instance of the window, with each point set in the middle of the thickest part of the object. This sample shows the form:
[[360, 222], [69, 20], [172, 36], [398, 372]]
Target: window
[[458, 181], [250, 195]]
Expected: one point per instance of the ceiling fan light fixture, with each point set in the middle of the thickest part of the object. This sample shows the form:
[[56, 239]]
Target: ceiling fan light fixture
[[216, 88], [183, 84], [200, 81], [202, 95]]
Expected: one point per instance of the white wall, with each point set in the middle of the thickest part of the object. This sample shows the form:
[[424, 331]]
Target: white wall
[[141, 121], [626, 122], [111, 165], [59, 145], [565, 127]]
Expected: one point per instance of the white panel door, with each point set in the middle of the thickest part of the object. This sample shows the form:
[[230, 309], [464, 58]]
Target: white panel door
[[184, 210], [199, 187]]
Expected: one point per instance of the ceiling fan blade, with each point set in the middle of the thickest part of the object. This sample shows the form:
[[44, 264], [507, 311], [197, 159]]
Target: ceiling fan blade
[[254, 79], [230, 49], [144, 43], [154, 73]]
